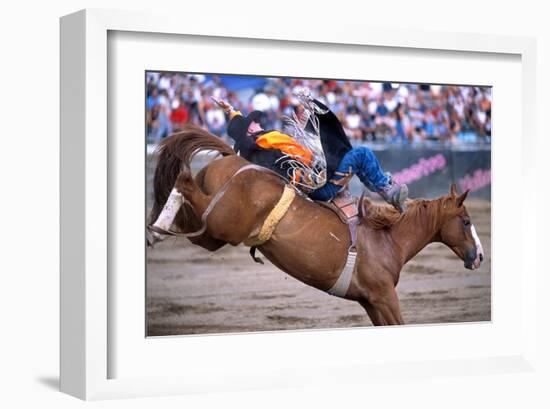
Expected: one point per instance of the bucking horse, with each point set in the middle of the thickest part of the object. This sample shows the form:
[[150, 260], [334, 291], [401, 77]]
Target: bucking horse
[[231, 201]]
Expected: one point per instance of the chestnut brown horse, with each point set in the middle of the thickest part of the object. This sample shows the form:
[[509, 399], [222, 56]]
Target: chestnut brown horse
[[310, 242]]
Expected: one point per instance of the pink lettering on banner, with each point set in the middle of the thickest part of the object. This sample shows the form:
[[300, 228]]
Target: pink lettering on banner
[[424, 167], [478, 180]]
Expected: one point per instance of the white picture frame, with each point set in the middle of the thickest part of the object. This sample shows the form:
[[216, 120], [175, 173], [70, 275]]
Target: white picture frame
[[85, 295]]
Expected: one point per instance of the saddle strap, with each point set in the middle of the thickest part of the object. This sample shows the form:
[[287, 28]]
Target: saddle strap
[[340, 288]]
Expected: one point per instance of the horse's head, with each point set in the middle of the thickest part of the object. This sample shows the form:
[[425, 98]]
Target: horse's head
[[458, 232]]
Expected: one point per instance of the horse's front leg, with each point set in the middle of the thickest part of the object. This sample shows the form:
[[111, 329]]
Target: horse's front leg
[[385, 300], [376, 284], [374, 315]]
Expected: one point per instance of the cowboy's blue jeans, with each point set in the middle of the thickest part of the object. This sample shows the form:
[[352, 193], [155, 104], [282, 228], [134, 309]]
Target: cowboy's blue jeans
[[362, 162]]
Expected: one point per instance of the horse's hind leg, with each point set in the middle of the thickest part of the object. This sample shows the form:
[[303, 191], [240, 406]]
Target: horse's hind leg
[[185, 184], [374, 315], [184, 188]]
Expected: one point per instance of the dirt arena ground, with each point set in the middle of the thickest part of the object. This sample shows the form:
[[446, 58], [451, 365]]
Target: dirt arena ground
[[193, 291]]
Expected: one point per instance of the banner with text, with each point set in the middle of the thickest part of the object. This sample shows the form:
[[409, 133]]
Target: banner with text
[[430, 173]]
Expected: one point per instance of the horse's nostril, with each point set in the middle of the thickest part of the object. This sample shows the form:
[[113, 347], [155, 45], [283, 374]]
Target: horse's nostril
[[481, 257]]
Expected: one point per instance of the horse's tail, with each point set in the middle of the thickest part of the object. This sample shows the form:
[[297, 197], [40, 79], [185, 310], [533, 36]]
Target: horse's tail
[[175, 154]]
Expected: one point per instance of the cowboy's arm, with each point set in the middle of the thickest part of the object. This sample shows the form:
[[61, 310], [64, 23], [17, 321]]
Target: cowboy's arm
[[245, 146], [237, 122], [227, 107]]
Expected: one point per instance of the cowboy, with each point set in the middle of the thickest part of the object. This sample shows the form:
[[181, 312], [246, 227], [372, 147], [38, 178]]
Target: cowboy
[[266, 148]]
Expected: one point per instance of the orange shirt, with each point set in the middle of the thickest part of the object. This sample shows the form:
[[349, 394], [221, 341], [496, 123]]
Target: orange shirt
[[286, 144]]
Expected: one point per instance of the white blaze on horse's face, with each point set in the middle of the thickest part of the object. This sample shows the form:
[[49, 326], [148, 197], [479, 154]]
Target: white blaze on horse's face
[[479, 247]]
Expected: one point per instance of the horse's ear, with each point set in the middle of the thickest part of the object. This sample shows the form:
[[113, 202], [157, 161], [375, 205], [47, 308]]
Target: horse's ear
[[460, 199], [453, 190]]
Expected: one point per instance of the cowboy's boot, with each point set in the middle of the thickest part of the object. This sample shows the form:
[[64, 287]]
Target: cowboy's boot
[[395, 194]]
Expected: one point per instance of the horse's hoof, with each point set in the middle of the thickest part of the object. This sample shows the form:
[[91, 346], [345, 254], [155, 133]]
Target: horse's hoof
[[153, 237]]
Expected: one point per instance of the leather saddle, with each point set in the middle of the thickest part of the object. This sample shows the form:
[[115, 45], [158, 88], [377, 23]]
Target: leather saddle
[[345, 205]]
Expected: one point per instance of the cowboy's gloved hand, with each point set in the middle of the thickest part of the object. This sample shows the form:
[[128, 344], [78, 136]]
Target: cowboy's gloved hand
[[223, 104], [303, 94]]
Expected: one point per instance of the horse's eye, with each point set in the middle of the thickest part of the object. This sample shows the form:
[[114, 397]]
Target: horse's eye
[[466, 222]]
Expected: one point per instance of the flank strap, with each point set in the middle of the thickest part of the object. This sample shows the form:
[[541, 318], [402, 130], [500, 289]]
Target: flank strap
[[273, 219]]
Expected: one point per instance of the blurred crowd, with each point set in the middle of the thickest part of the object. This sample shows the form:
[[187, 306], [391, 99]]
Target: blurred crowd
[[374, 112]]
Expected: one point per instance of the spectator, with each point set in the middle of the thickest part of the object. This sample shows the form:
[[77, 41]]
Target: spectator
[[179, 115], [374, 112], [352, 123], [215, 119]]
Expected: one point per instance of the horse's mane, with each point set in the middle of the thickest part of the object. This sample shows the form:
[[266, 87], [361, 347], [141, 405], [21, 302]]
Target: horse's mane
[[379, 216]]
